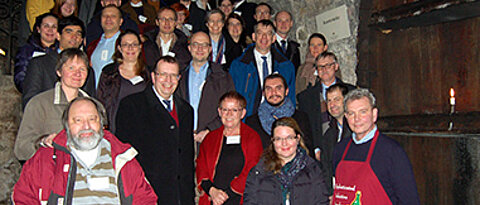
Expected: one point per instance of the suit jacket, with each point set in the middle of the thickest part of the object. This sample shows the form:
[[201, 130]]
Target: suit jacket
[[292, 52], [165, 150], [327, 146], [299, 116], [197, 18], [42, 76], [309, 102], [217, 83], [179, 47]]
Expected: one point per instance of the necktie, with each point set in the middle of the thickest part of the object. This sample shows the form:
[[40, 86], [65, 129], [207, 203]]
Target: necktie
[[264, 67], [167, 103], [284, 45]]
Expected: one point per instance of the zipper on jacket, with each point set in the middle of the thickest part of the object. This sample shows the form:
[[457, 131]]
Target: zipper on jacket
[[246, 85]]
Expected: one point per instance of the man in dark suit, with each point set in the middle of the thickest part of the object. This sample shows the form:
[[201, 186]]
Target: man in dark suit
[[276, 105], [289, 48], [336, 130], [160, 126], [313, 99]]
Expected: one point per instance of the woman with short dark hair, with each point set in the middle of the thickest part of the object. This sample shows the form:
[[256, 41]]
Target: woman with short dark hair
[[285, 173]]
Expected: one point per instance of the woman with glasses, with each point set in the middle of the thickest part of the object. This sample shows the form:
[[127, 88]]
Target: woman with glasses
[[182, 18], [127, 75], [285, 173], [227, 154]]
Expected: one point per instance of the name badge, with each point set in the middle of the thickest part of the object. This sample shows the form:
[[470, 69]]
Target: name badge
[[188, 26], [142, 18], [171, 54], [98, 183], [238, 13], [66, 167], [135, 80], [233, 139], [104, 55], [200, 88]]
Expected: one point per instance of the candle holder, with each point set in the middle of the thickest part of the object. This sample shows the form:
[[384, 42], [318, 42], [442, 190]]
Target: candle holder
[[452, 109]]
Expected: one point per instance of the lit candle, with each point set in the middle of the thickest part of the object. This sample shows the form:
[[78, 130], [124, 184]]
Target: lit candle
[[452, 96]]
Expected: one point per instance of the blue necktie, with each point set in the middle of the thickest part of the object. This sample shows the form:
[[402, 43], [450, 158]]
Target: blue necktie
[[167, 103], [284, 46], [265, 67]]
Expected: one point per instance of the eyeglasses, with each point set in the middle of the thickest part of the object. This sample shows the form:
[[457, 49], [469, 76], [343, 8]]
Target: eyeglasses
[[199, 45], [234, 110], [263, 13], [288, 139], [164, 75], [163, 19], [226, 5], [326, 66], [130, 45]]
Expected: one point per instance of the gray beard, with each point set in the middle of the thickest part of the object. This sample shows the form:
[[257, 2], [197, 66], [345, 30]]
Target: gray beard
[[85, 144]]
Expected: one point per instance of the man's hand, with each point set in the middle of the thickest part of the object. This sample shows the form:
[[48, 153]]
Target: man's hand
[[198, 137], [48, 140], [218, 196]]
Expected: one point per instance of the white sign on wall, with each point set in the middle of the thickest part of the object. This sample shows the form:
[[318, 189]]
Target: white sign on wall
[[334, 24]]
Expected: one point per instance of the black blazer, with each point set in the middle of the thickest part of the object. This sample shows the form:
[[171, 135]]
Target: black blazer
[[292, 52], [165, 150], [248, 10]]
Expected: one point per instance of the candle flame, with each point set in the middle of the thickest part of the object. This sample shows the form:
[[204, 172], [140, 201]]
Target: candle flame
[[2, 52], [452, 92]]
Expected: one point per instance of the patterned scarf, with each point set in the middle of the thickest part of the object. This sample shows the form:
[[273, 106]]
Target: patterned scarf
[[290, 170], [268, 114]]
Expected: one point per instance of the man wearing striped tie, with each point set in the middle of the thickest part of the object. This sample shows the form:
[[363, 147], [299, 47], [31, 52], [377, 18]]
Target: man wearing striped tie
[[85, 164]]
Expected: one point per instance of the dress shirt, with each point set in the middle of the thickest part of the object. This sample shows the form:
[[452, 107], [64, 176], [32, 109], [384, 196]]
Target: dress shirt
[[259, 61], [279, 40], [102, 55], [195, 87], [162, 99], [324, 89], [165, 46], [366, 138]]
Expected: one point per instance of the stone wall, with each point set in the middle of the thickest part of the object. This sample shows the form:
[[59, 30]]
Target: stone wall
[[10, 104], [305, 11]]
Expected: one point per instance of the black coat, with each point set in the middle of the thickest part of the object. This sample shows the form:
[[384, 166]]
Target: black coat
[[42, 76], [263, 187], [232, 50], [299, 116], [292, 52], [327, 146], [197, 18], [153, 53], [309, 102], [165, 150]]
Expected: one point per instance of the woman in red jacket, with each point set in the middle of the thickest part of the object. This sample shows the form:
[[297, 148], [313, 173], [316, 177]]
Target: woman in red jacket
[[227, 154]]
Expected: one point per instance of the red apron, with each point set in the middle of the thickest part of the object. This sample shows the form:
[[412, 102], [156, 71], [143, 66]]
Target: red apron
[[356, 183]]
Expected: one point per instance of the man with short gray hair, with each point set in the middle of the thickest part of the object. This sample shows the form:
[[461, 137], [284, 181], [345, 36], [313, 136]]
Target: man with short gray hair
[[85, 165], [370, 168]]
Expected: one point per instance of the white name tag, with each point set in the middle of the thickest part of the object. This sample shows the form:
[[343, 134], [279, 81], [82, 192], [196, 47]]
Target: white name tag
[[66, 167], [37, 53], [171, 54], [238, 13], [142, 18], [104, 55], [188, 26], [136, 79], [98, 183], [233, 139]]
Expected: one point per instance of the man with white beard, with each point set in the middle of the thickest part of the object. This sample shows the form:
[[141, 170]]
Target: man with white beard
[[85, 165]]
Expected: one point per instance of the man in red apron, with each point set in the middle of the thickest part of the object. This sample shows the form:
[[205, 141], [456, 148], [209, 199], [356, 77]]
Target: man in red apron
[[371, 168]]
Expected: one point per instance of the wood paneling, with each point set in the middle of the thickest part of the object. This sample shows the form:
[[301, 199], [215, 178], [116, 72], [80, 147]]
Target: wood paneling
[[411, 71]]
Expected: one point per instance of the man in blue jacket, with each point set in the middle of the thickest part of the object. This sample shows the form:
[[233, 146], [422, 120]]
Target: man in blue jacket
[[259, 61]]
